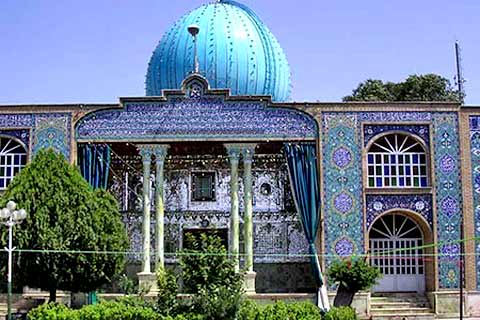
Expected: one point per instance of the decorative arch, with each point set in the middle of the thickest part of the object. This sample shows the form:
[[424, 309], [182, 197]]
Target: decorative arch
[[397, 159], [409, 250], [427, 232]]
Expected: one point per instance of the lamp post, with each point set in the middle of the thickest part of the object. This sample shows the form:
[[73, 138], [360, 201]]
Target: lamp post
[[9, 216]]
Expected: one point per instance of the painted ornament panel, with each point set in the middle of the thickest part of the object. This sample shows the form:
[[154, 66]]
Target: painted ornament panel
[[448, 197], [379, 204], [342, 185], [475, 156], [52, 131], [194, 118]]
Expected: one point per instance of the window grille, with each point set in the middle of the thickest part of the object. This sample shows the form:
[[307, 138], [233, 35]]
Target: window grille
[[203, 186], [397, 161], [13, 157]]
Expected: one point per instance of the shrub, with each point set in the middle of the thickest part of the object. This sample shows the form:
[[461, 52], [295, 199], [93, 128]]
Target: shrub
[[352, 275], [248, 310], [217, 289], [49, 311], [111, 310], [279, 311], [341, 313], [167, 291], [127, 285]]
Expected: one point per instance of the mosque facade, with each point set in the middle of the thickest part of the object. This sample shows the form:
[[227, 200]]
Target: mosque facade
[[223, 149]]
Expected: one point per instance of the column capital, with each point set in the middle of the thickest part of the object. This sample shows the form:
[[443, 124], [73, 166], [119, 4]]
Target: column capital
[[146, 151], [248, 150], [233, 151], [160, 151]]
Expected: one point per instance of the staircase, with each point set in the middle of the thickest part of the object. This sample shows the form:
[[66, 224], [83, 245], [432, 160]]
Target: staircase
[[395, 306], [4, 310]]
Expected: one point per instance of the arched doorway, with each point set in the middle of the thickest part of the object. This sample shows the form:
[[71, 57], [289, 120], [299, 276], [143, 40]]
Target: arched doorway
[[396, 243]]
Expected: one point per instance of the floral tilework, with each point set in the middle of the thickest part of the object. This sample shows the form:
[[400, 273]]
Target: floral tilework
[[52, 131], [16, 120], [200, 117], [344, 232], [448, 197], [421, 130], [394, 116], [378, 204], [475, 156]]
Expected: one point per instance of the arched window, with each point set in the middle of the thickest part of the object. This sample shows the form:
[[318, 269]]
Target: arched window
[[397, 161], [13, 157]]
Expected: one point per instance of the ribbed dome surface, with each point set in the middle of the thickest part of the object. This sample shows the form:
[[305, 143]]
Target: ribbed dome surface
[[235, 49]]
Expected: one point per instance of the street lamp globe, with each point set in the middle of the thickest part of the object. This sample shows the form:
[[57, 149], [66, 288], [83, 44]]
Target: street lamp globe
[[11, 205], [4, 213]]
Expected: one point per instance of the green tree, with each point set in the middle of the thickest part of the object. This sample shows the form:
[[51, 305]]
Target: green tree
[[64, 215], [427, 87]]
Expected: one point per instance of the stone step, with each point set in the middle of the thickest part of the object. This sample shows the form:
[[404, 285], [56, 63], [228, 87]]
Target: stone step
[[429, 316], [410, 298], [399, 304], [409, 311]]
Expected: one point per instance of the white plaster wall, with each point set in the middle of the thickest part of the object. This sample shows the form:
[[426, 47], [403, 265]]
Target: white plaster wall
[[178, 188]]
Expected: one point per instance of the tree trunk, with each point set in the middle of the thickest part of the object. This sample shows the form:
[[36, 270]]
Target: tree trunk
[[344, 297], [53, 295]]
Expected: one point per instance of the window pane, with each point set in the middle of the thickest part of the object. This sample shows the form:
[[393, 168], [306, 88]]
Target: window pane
[[407, 170], [415, 170], [370, 170], [423, 170], [423, 182], [386, 182]]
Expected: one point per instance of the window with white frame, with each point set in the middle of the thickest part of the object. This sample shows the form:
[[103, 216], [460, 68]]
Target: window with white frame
[[13, 157], [397, 161]]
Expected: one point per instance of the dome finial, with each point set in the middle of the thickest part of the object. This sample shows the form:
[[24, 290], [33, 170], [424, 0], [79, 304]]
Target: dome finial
[[194, 30]]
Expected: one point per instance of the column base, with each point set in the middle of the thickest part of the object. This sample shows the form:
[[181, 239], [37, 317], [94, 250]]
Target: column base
[[147, 283], [249, 282]]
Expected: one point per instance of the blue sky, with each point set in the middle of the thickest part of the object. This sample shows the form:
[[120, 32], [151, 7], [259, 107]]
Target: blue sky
[[66, 51]]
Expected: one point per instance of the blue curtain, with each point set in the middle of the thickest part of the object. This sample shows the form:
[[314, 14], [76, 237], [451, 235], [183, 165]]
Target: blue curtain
[[94, 162], [303, 171]]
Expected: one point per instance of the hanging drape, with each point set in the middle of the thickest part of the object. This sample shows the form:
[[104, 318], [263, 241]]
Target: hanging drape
[[303, 172], [94, 163]]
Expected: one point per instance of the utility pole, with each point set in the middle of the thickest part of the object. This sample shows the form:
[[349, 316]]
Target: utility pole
[[461, 94], [459, 78]]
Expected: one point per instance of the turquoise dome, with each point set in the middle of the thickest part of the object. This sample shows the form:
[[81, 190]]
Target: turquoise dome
[[235, 49]]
